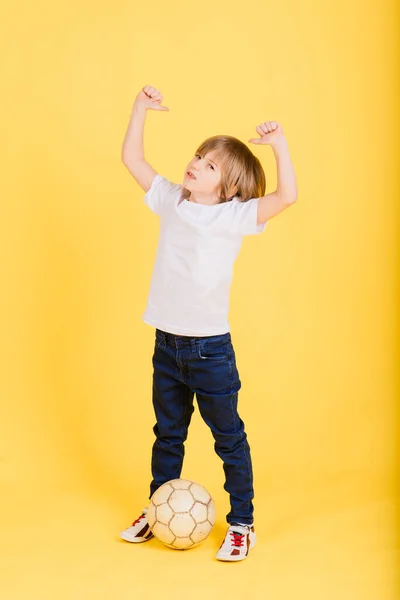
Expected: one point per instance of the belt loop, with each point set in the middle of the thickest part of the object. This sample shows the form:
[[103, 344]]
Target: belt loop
[[163, 336], [193, 344]]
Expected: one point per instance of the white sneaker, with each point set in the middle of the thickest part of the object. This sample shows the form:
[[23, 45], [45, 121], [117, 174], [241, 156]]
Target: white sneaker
[[139, 531], [238, 541]]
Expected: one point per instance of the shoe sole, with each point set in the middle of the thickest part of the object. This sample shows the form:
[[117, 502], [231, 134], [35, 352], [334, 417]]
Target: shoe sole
[[136, 540]]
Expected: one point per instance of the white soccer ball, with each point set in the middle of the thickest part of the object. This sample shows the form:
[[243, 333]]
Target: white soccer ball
[[181, 513]]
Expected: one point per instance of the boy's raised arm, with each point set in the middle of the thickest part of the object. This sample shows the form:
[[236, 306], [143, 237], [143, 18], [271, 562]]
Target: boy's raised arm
[[285, 194], [132, 147]]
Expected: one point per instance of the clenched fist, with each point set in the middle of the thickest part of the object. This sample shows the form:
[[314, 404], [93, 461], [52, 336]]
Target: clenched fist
[[150, 98], [270, 133]]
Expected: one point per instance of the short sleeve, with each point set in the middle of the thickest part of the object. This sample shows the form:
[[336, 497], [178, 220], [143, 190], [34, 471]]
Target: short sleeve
[[244, 218], [160, 193]]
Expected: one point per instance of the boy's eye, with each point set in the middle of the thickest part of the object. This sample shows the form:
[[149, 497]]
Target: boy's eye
[[209, 164]]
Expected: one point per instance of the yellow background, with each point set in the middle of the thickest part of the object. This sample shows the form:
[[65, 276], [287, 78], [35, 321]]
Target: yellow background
[[313, 302]]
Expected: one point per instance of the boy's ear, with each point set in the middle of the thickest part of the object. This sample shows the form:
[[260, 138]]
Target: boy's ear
[[232, 191]]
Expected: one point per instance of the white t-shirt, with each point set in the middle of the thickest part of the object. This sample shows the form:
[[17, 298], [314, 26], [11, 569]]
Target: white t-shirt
[[197, 246]]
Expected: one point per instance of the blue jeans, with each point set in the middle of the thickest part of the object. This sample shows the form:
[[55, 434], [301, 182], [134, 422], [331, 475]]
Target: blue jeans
[[206, 366]]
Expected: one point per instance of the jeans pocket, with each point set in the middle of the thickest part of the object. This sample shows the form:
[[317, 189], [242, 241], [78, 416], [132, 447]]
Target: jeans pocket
[[215, 352]]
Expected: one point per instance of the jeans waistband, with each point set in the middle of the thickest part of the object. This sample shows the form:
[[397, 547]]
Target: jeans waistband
[[175, 340]]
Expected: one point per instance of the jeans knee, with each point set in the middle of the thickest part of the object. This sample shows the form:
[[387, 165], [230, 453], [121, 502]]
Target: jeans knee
[[231, 442]]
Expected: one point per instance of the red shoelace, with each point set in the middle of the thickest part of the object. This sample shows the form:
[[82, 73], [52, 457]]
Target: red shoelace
[[137, 520], [238, 538]]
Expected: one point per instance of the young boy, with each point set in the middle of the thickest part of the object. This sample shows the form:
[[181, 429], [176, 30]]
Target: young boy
[[202, 223]]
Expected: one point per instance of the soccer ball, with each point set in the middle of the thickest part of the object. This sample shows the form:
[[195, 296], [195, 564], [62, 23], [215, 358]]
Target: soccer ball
[[181, 513]]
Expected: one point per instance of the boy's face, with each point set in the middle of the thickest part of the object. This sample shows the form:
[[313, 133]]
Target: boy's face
[[207, 175]]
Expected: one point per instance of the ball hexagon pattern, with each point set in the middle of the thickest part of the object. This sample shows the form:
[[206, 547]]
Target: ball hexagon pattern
[[181, 513]]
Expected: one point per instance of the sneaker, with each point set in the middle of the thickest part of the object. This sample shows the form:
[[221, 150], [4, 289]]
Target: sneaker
[[238, 541], [139, 531]]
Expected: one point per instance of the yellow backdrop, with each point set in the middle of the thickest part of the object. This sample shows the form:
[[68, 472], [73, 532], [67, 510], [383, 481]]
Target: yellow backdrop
[[313, 305]]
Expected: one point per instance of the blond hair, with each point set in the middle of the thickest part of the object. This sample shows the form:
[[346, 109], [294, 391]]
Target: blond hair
[[239, 167]]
